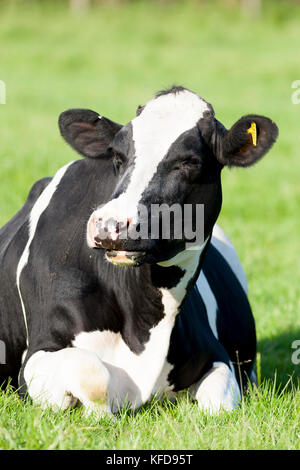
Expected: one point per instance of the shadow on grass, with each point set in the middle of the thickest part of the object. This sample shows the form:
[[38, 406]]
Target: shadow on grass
[[276, 357]]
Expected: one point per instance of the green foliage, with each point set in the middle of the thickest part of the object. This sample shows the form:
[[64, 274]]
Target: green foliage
[[112, 59]]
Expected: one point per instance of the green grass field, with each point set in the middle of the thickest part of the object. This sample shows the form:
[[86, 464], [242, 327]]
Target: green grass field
[[111, 60]]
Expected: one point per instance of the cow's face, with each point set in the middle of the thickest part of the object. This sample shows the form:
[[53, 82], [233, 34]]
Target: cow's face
[[168, 160]]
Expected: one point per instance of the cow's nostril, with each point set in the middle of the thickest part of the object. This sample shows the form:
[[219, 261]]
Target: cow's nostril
[[97, 241]]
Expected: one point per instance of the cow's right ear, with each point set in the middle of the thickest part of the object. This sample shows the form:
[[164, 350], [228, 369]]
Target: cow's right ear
[[87, 132]]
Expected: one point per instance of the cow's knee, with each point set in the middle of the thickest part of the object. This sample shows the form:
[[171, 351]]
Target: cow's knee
[[217, 390], [63, 378]]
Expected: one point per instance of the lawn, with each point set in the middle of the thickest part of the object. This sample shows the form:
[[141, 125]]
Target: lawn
[[112, 59]]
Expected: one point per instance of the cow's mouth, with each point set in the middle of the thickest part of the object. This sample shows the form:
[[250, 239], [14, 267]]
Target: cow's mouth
[[125, 258]]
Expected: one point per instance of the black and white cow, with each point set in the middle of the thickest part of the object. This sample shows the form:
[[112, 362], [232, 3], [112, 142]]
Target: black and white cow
[[78, 326]]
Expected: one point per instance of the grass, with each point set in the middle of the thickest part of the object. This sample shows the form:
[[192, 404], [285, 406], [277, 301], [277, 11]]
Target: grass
[[268, 419], [112, 59]]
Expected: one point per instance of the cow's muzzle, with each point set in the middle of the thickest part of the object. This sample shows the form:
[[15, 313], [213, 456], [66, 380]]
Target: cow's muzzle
[[112, 237]]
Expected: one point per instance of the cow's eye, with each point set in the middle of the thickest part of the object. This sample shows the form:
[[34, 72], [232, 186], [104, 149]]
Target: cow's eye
[[190, 162]]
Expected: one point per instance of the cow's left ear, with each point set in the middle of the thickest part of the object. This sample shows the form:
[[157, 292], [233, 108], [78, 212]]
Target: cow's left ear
[[246, 142], [87, 132]]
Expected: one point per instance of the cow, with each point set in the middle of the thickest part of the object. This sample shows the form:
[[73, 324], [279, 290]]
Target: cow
[[93, 318]]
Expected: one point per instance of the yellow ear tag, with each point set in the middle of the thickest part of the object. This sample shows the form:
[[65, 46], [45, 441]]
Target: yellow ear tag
[[252, 131]]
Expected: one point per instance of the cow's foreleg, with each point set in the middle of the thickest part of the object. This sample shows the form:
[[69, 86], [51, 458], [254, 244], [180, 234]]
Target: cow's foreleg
[[63, 378], [217, 390]]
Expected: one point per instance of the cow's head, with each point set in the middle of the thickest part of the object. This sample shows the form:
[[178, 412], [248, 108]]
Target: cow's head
[[171, 153]]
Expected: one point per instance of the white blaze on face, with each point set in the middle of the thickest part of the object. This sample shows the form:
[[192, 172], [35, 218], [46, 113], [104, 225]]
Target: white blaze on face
[[159, 125]]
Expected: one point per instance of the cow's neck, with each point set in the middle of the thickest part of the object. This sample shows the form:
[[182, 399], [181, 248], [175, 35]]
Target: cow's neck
[[189, 262], [158, 294]]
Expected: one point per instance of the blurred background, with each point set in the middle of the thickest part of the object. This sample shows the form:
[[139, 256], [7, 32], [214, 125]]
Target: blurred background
[[243, 56]]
